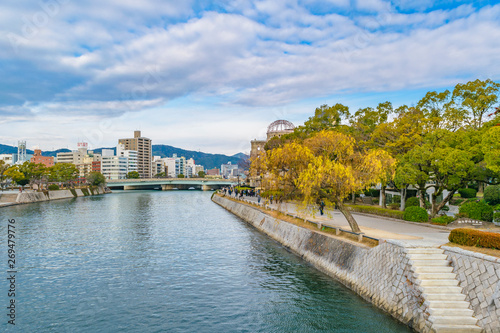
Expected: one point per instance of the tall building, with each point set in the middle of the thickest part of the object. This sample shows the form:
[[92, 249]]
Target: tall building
[[82, 158], [143, 147], [118, 166], [175, 166]]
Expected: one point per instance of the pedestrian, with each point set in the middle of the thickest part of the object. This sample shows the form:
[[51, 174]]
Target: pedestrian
[[271, 199], [258, 199], [321, 206]]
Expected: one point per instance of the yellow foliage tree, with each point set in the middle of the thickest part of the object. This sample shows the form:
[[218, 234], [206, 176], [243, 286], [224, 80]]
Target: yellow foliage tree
[[337, 169]]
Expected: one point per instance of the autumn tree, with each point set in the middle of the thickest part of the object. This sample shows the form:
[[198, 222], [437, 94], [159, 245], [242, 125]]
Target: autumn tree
[[63, 172], [338, 169]]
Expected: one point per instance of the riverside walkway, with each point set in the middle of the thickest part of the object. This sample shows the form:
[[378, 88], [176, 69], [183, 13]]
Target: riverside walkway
[[411, 233]]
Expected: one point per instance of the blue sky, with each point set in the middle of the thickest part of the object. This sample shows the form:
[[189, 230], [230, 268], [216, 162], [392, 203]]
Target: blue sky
[[211, 75]]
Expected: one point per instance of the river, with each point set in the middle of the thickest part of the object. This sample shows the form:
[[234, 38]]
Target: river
[[150, 261]]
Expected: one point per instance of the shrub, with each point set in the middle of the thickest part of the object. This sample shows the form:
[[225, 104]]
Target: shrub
[[394, 206], [492, 195], [376, 211], [412, 202], [496, 217], [477, 211], [415, 214], [467, 192], [472, 237], [443, 219], [53, 187], [396, 199]]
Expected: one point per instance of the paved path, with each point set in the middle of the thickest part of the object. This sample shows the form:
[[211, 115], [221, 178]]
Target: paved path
[[379, 227]]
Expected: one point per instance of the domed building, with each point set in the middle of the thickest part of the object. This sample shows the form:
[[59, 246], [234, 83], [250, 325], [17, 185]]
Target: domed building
[[275, 129]]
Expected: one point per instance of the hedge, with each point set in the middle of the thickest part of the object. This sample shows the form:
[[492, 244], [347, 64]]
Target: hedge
[[492, 195], [477, 211], [376, 211], [444, 220], [467, 192], [472, 237], [53, 187], [415, 214]]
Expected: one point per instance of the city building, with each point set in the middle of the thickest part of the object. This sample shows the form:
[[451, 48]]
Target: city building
[[82, 158], [7, 158], [37, 158], [118, 166], [158, 166], [175, 166], [143, 147], [229, 170], [213, 172]]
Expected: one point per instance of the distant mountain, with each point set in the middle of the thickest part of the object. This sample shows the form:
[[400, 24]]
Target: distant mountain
[[209, 161]]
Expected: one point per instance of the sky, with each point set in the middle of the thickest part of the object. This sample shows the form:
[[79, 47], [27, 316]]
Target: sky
[[212, 75]]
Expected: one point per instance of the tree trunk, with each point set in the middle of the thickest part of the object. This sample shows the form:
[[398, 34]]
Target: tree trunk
[[403, 198], [480, 187], [382, 197], [353, 194], [350, 219], [422, 196], [436, 209]]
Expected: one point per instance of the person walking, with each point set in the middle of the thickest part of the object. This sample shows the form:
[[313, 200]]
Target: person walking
[[258, 199], [271, 199], [321, 206]]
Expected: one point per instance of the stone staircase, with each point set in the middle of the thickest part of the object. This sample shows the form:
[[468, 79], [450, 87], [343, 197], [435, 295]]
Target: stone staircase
[[448, 309]]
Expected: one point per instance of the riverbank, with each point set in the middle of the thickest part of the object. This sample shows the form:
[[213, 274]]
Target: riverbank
[[425, 287], [10, 199]]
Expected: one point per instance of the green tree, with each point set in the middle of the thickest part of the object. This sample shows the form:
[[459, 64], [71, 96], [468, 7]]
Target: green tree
[[3, 167], [475, 99], [325, 118], [96, 178], [180, 176], [201, 174], [63, 172], [133, 175], [16, 175]]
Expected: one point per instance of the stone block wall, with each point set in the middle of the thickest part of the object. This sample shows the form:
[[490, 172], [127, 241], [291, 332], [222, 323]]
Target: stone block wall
[[381, 275], [479, 275]]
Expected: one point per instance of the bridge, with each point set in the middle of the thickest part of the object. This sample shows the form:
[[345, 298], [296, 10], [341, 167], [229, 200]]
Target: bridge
[[166, 184]]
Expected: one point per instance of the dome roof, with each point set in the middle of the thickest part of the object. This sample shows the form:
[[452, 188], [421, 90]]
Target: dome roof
[[280, 126]]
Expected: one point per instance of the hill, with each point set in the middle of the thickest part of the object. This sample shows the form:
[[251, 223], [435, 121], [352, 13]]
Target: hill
[[209, 161]]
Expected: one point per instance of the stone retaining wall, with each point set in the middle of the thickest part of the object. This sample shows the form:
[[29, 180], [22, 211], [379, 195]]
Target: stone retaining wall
[[30, 197], [479, 275], [381, 275]]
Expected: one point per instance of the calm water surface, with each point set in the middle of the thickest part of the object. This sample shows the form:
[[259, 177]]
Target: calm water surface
[[166, 262]]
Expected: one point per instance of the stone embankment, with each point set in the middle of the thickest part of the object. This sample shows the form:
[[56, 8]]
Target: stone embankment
[[428, 288], [9, 199]]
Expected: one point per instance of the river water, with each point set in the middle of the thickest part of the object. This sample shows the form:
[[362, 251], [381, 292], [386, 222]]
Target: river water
[[143, 261]]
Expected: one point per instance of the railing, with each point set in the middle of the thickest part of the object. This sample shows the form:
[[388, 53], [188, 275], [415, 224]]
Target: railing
[[321, 226]]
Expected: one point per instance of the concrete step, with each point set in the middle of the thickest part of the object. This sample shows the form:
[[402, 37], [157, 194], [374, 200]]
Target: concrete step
[[449, 305], [432, 256], [435, 276], [424, 251], [434, 269], [452, 320], [442, 290], [433, 298], [440, 282], [453, 312], [455, 329], [422, 263]]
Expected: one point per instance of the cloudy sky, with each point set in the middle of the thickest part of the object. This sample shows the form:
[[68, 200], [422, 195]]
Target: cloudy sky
[[211, 75]]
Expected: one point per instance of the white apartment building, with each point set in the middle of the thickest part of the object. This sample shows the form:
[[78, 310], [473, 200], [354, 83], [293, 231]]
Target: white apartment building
[[229, 170], [119, 165], [7, 158], [175, 166]]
